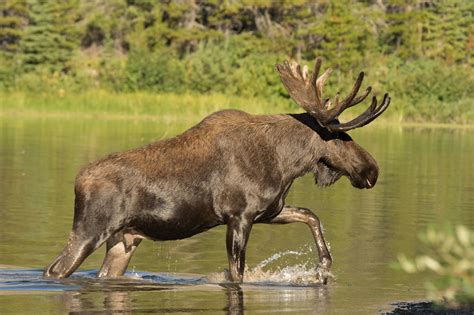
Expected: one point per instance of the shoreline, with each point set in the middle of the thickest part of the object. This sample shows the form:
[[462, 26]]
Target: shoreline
[[190, 108], [390, 121]]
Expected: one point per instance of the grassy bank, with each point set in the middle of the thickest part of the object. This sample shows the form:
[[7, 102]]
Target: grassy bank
[[108, 104], [99, 103], [171, 106]]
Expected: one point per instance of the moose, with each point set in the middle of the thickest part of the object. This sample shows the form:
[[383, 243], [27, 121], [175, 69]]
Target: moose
[[232, 168]]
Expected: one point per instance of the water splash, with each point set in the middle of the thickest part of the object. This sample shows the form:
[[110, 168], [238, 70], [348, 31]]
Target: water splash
[[275, 257], [301, 274], [133, 274], [286, 268]]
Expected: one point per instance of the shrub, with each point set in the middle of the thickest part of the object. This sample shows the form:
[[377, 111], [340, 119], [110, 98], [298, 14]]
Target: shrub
[[156, 71], [450, 256], [237, 66]]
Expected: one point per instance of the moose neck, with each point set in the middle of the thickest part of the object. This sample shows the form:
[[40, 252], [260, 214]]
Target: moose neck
[[300, 142]]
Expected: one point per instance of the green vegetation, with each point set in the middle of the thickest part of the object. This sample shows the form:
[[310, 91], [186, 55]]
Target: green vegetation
[[420, 52], [143, 105], [450, 255]]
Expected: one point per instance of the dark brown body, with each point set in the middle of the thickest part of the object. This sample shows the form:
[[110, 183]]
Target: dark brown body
[[232, 168]]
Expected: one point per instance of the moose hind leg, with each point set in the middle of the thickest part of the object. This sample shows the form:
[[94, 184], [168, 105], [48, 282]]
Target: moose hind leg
[[296, 214], [120, 248], [238, 231]]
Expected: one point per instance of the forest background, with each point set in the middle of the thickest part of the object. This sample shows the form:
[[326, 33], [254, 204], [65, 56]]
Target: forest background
[[144, 57]]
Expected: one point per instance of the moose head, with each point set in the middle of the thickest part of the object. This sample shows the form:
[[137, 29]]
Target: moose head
[[343, 157]]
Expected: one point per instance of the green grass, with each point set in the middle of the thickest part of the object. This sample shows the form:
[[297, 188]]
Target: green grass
[[189, 107], [100, 103]]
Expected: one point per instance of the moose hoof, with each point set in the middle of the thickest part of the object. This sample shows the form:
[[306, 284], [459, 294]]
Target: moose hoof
[[231, 279], [322, 275], [227, 276]]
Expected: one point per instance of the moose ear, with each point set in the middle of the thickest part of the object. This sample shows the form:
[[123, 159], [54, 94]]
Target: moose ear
[[324, 175]]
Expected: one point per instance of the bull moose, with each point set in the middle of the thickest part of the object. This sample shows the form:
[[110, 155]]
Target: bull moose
[[232, 168]]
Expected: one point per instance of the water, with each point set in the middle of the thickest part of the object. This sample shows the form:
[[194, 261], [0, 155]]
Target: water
[[426, 178]]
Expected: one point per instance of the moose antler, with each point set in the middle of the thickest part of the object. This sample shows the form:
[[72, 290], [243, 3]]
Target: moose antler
[[307, 92]]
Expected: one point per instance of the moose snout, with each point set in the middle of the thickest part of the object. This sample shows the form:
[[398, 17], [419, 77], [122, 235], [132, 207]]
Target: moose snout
[[365, 179], [371, 178]]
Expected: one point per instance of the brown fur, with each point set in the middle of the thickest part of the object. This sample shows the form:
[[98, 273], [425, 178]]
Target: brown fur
[[232, 168]]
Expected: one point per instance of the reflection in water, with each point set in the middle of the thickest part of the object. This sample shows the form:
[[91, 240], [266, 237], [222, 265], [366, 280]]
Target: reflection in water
[[121, 302], [311, 299], [112, 301], [156, 293], [235, 299], [425, 178]]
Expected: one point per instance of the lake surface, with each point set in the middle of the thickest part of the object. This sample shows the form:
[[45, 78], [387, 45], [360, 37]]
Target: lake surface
[[426, 179]]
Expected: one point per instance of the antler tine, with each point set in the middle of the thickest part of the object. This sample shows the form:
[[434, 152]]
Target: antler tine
[[299, 72], [308, 93], [354, 91], [366, 117], [297, 85], [338, 108], [305, 72], [319, 88], [359, 99], [315, 74]]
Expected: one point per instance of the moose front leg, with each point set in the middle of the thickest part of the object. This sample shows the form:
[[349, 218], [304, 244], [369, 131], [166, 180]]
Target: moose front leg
[[238, 231], [294, 214]]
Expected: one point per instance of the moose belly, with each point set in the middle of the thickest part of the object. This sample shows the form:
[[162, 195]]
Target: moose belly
[[173, 224]]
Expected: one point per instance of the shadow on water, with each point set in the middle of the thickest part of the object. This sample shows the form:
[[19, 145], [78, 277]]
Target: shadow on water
[[426, 307], [156, 293]]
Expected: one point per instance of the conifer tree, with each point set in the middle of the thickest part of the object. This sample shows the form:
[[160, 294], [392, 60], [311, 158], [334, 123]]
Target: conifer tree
[[50, 37], [345, 34], [13, 19], [457, 24], [403, 35]]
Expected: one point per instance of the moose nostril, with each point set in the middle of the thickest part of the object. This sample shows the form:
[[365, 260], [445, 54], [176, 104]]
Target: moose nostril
[[372, 179]]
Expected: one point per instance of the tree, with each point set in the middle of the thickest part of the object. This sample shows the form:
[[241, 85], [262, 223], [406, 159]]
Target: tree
[[50, 37], [345, 33], [456, 29], [403, 33], [13, 19]]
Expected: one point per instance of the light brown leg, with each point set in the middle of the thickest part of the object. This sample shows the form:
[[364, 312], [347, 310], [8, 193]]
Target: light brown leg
[[295, 214], [120, 248]]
